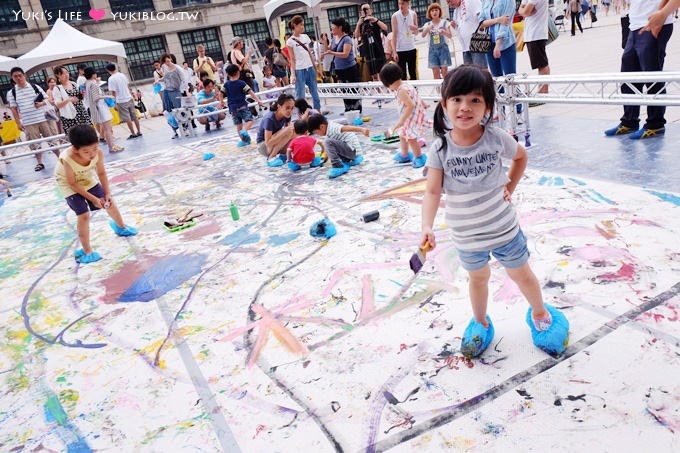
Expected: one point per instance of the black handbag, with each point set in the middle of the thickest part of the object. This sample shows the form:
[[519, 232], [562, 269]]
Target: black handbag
[[480, 42]]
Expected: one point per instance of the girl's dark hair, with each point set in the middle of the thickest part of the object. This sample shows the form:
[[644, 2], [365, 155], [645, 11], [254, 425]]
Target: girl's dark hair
[[465, 79], [82, 135], [282, 99], [343, 24], [302, 105], [89, 72], [277, 43], [294, 21], [58, 70], [390, 73]]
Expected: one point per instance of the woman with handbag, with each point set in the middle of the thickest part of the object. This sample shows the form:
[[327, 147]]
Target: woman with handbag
[[242, 60], [342, 50], [495, 18], [101, 115], [67, 99], [302, 61]]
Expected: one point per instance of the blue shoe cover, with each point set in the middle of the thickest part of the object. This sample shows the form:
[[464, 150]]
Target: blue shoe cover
[[275, 162], [323, 229], [241, 144], [208, 156], [292, 166], [78, 254], [91, 258], [127, 231], [316, 162], [357, 161], [334, 172], [244, 136], [554, 340], [476, 338], [403, 159], [419, 161]]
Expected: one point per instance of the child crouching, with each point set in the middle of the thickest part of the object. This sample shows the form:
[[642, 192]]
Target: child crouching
[[301, 149], [75, 174], [342, 143]]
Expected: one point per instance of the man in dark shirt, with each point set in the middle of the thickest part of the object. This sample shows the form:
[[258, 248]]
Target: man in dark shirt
[[369, 29]]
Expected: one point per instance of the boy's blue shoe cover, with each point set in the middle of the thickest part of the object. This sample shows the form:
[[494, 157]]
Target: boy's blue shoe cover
[[334, 172], [292, 166], [358, 160], [316, 162], [86, 259], [476, 338], [127, 231], [554, 340]]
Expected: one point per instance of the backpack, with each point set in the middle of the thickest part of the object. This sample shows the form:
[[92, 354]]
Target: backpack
[[279, 58], [14, 91]]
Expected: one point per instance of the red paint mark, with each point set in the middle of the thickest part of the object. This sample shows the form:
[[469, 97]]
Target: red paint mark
[[625, 273], [454, 361], [150, 172], [117, 283], [258, 430], [367, 301], [402, 347], [204, 229]]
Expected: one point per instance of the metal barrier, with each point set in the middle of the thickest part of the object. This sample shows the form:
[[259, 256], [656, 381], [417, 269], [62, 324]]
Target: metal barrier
[[52, 138]]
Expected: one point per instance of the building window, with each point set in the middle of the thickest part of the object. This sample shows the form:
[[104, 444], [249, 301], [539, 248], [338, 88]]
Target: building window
[[9, 20], [309, 24], [256, 29], [68, 10], [183, 3], [349, 13], [383, 10], [141, 54], [209, 37], [420, 7], [131, 6]]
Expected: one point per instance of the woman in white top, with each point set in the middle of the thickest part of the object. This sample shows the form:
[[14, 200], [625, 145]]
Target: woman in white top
[[67, 99], [466, 20], [404, 30], [101, 115], [304, 72]]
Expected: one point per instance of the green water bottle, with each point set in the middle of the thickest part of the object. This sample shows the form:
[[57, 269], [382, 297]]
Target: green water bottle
[[234, 211]]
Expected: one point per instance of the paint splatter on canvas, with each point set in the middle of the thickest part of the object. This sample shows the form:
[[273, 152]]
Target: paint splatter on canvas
[[253, 335]]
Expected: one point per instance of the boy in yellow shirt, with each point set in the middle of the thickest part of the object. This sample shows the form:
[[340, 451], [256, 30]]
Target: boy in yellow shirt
[[75, 174]]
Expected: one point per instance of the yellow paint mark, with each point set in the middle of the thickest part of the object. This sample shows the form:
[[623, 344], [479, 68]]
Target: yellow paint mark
[[563, 263]]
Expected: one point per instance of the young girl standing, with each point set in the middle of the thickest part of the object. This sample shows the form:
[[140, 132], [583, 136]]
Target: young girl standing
[[75, 172], [412, 123], [466, 161]]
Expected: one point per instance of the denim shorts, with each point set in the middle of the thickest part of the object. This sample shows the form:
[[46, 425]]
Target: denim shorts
[[79, 204], [438, 56], [511, 255], [242, 116]]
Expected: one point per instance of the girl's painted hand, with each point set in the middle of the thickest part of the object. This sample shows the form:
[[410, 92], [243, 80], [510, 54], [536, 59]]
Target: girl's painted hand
[[428, 238], [108, 201], [507, 195]]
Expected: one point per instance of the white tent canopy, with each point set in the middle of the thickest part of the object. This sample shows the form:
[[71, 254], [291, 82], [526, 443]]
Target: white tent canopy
[[6, 63], [64, 44], [277, 7]]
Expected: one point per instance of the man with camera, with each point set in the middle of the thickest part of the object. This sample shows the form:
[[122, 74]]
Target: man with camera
[[369, 29]]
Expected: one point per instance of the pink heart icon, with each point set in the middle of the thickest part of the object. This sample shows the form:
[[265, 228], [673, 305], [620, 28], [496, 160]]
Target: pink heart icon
[[97, 14]]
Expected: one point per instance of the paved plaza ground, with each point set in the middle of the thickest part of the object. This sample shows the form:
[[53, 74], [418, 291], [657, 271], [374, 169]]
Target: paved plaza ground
[[253, 336]]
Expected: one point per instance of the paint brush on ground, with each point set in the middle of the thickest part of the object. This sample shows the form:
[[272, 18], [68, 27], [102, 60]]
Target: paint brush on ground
[[418, 258]]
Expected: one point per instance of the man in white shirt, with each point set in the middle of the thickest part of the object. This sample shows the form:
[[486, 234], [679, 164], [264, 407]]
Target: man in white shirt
[[119, 86], [27, 102], [536, 18]]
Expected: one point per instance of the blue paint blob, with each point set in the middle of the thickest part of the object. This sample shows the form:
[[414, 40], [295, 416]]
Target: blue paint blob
[[79, 446], [241, 237], [163, 277], [664, 196], [543, 181], [282, 239]]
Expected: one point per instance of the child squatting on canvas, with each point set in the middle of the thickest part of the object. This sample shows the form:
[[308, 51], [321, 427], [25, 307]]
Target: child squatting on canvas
[[465, 161], [75, 174]]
